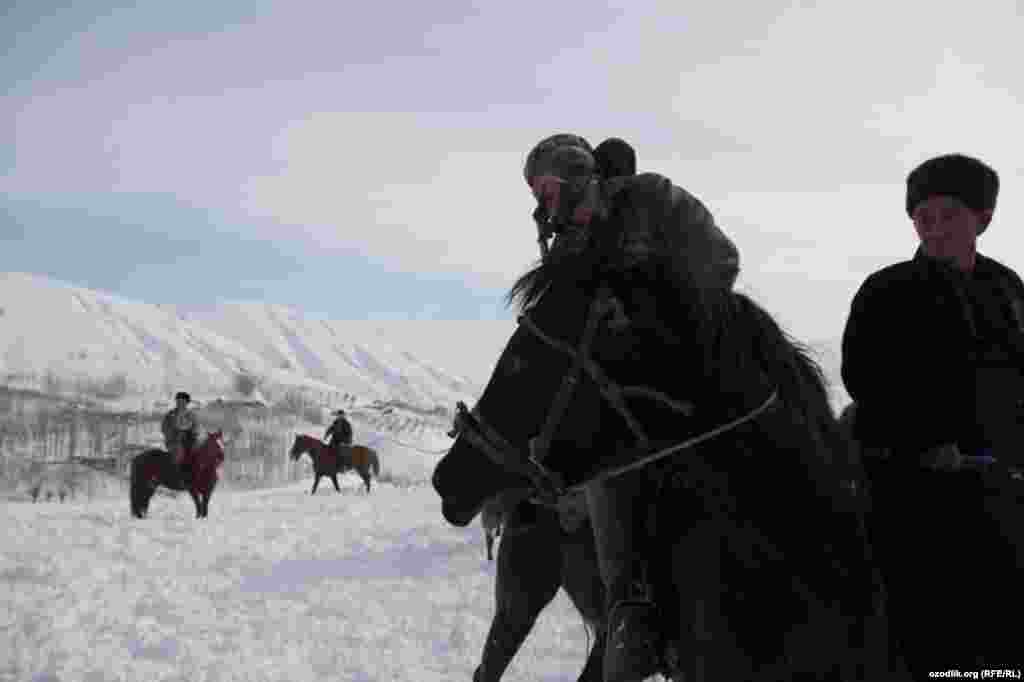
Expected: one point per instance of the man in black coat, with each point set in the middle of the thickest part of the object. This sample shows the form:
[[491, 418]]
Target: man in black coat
[[339, 432], [933, 356]]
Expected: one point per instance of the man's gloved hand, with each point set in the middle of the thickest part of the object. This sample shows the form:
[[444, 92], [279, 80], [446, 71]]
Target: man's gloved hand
[[943, 458], [948, 457]]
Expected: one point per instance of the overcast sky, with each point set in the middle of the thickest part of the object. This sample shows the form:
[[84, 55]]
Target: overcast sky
[[364, 160]]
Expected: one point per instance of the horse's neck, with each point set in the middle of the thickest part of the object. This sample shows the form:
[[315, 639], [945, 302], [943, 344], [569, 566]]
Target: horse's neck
[[204, 454], [315, 449]]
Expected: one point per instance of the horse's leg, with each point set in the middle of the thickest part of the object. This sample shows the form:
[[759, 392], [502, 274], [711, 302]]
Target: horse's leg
[[145, 495], [209, 494], [144, 499], [528, 577], [581, 579], [316, 482], [196, 502], [708, 645], [593, 669], [365, 474], [134, 492], [489, 540], [334, 479]]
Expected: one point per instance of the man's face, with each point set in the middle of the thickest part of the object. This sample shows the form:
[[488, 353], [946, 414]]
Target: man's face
[[547, 189], [181, 403], [947, 227]]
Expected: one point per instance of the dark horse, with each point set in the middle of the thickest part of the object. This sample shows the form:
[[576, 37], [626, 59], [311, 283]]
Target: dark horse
[[154, 468], [541, 550], [761, 563], [328, 463]]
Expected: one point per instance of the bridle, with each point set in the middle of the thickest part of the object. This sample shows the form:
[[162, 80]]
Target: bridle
[[471, 425]]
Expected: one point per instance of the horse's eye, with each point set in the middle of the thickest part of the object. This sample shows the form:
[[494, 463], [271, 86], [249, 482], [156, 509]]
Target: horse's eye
[[513, 364]]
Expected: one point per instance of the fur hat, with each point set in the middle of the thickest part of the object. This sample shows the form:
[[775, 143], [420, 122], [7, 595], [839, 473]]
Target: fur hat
[[338, 413], [181, 395], [563, 155], [615, 157], [955, 175]]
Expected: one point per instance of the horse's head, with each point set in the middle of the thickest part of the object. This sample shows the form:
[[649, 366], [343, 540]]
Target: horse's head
[[211, 452], [299, 446], [618, 317], [513, 404]]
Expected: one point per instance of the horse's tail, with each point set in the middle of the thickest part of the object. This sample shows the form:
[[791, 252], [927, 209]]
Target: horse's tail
[[365, 459], [136, 493]]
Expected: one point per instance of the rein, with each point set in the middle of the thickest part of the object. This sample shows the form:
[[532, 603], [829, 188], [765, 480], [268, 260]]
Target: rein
[[550, 486], [685, 445]]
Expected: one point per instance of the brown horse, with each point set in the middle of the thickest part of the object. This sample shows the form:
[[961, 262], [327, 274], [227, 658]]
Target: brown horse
[[154, 468], [326, 462]]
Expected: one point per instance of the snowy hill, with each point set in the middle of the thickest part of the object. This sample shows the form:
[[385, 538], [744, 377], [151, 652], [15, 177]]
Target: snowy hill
[[56, 332], [379, 360], [53, 331]]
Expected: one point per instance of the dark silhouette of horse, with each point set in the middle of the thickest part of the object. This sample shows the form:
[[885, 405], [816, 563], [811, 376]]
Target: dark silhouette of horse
[[327, 462], [538, 554], [761, 562], [154, 468]]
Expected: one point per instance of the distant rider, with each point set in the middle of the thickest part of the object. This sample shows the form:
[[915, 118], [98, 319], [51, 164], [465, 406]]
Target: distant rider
[[180, 428], [339, 432]]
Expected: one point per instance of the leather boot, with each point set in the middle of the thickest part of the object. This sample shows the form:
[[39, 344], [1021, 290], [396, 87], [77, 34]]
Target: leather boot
[[633, 647]]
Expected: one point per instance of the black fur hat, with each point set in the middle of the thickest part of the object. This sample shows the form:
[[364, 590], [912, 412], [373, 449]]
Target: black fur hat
[[615, 157], [565, 155], [955, 175], [181, 395]]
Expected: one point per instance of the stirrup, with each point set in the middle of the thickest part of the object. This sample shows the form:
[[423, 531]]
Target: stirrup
[[633, 648]]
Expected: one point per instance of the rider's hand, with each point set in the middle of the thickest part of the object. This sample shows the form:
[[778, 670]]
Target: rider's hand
[[943, 458]]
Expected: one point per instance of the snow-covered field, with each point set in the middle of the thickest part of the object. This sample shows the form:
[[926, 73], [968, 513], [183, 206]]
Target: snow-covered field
[[274, 585]]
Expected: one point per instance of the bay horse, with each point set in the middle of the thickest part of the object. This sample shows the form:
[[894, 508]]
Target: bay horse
[[542, 549], [154, 468], [761, 565], [326, 462]]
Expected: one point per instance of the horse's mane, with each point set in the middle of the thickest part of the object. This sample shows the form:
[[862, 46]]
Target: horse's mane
[[307, 438], [561, 265], [733, 332], [528, 289]]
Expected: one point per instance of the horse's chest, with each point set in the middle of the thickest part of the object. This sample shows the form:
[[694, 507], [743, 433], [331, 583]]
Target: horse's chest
[[572, 512]]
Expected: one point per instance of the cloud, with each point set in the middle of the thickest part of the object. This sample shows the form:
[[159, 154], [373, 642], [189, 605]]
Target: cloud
[[398, 140], [420, 195]]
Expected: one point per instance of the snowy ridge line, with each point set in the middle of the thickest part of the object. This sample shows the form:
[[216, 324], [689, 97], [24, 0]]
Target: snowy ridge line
[[118, 350], [442, 451]]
